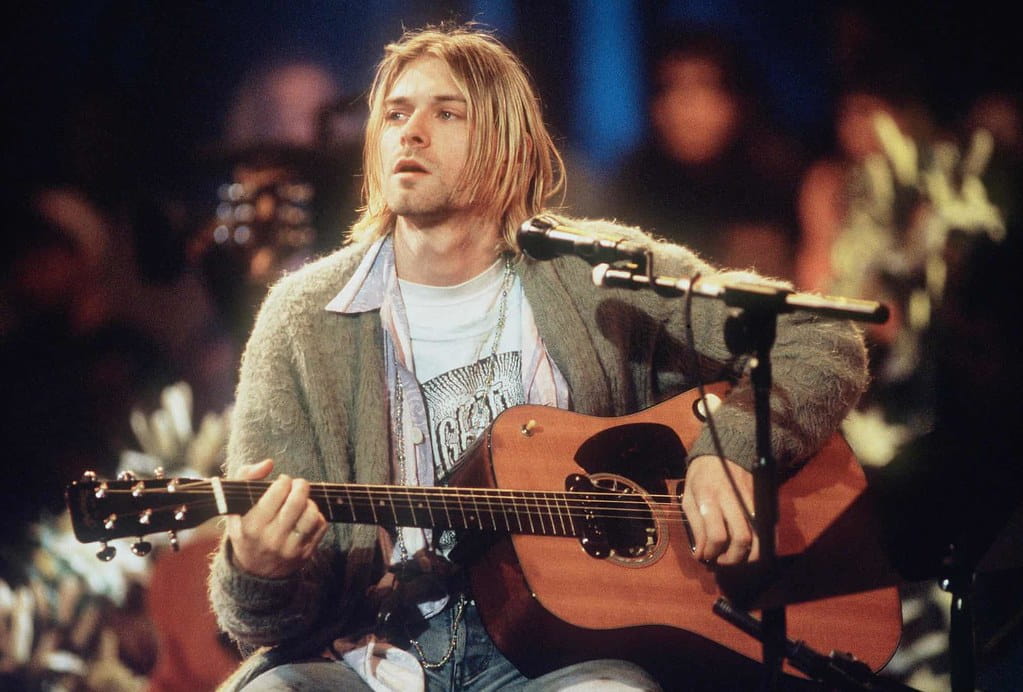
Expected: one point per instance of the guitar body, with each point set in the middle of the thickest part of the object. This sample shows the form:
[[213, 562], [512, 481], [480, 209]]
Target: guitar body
[[546, 602]]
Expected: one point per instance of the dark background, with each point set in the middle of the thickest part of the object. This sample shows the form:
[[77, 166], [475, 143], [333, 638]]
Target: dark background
[[168, 70]]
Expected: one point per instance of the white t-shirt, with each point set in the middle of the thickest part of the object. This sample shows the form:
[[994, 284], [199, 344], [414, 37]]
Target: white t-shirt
[[466, 379]]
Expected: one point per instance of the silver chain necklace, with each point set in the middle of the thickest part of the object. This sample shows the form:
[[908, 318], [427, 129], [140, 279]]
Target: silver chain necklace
[[502, 318], [399, 436]]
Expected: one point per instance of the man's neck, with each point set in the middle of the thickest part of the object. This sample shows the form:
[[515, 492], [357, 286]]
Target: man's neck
[[446, 253]]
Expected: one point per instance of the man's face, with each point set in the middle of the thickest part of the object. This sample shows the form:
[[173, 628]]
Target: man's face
[[424, 143], [694, 114]]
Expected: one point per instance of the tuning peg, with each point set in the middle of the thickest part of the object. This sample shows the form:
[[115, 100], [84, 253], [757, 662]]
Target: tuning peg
[[173, 536], [101, 491], [107, 552], [146, 517], [180, 512], [110, 522], [138, 489], [126, 476], [158, 472], [141, 547], [89, 476]]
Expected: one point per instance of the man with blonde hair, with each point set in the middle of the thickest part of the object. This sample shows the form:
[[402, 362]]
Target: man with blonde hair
[[383, 362]]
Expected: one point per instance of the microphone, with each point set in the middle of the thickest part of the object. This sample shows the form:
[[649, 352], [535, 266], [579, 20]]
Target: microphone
[[544, 237]]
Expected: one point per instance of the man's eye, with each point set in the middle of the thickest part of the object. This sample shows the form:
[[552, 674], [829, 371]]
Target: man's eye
[[447, 115], [396, 115]]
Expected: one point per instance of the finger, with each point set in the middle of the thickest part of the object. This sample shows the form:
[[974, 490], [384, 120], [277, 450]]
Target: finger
[[317, 537], [302, 536], [234, 527], [311, 539], [255, 472], [715, 528], [252, 525], [310, 519], [740, 535], [266, 509], [696, 530], [754, 549], [291, 510]]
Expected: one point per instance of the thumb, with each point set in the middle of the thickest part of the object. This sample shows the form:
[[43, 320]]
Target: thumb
[[254, 472]]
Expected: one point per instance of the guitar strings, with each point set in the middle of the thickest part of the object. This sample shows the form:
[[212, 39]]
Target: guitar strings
[[437, 496], [546, 507]]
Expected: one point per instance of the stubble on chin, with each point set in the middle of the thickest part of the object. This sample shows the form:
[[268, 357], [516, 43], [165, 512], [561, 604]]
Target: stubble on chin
[[422, 206]]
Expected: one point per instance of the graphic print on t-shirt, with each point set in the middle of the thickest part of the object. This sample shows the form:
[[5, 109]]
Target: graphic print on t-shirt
[[460, 405]]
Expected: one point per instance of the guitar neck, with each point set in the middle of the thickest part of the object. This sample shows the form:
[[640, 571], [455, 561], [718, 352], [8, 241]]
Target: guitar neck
[[105, 510], [528, 512]]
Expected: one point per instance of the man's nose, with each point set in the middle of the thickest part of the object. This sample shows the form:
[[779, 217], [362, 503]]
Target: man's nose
[[416, 131]]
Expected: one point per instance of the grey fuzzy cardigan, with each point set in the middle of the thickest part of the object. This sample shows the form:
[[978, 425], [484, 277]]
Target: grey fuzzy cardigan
[[312, 396]]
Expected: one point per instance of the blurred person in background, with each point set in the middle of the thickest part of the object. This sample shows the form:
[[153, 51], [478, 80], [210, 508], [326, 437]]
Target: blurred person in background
[[290, 154], [828, 183], [713, 174]]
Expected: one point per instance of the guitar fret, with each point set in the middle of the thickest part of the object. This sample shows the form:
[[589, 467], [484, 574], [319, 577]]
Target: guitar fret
[[507, 510], [568, 511], [518, 512], [538, 498], [351, 504], [479, 519], [321, 490], [411, 506], [447, 511], [492, 511], [429, 510], [561, 518], [390, 501], [550, 512], [529, 512], [372, 507], [461, 508]]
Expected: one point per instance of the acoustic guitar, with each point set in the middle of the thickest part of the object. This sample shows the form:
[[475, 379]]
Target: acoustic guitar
[[587, 553]]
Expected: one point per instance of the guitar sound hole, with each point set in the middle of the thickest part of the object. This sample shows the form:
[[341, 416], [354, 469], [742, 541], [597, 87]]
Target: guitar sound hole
[[634, 536]]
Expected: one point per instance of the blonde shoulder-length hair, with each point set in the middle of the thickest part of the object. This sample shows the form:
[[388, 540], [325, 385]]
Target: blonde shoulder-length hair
[[513, 167]]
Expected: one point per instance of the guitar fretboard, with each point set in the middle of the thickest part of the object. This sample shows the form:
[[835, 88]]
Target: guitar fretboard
[[527, 512]]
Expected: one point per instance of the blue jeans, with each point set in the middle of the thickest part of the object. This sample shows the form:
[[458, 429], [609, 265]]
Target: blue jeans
[[476, 665]]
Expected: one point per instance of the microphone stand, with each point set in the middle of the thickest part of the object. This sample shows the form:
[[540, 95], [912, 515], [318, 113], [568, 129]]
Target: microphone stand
[[751, 330], [837, 671]]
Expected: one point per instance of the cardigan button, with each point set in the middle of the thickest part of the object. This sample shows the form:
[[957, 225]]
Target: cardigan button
[[417, 436]]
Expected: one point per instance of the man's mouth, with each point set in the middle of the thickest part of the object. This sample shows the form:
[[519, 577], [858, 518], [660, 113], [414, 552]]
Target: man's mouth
[[409, 166]]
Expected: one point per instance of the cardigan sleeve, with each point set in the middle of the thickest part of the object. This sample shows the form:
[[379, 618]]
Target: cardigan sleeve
[[270, 421], [819, 371]]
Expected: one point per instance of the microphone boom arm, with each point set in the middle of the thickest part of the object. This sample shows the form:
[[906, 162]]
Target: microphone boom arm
[[742, 294]]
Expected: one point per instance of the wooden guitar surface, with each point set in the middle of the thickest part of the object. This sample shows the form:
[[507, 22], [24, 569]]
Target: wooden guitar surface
[[546, 602]]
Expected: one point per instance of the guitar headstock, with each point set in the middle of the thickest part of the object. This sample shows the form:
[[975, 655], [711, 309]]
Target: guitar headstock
[[133, 508]]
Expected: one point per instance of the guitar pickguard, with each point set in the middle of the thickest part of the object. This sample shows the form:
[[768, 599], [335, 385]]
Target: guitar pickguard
[[645, 453], [628, 463], [635, 540]]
